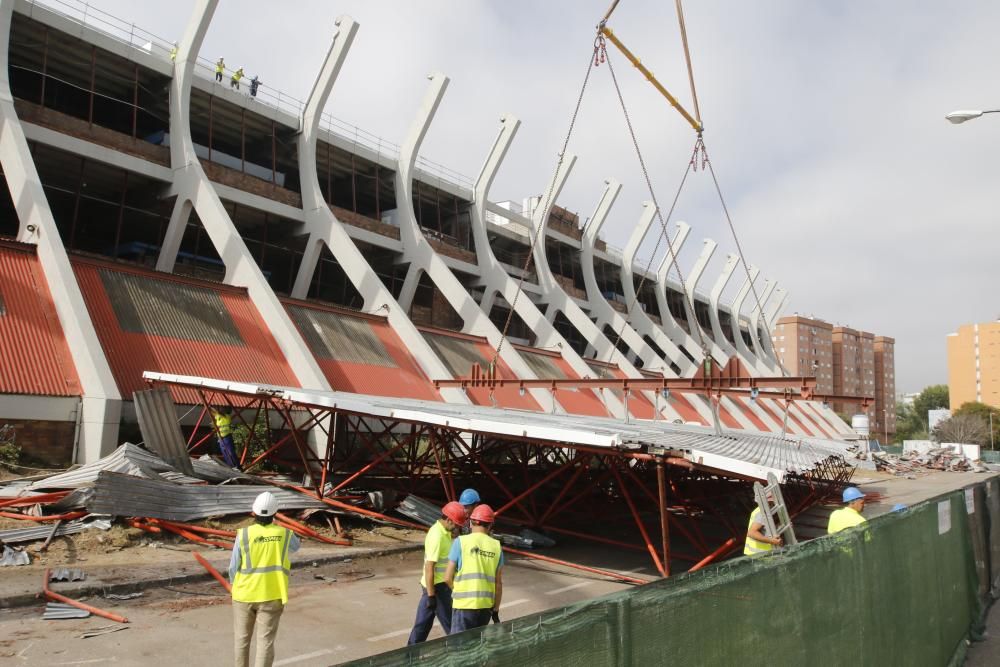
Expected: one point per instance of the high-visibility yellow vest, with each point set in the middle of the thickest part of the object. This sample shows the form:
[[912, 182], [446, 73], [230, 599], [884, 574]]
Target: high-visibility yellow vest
[[752, 546], [219, 66], [845, 517], [237, 75], [223, 423], [264, 564], [476, 583], [436, 544]]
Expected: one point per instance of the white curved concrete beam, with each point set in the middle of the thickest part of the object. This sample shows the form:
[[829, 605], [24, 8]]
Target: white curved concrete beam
[[325, 229], [194, 190], [495, 278], [422, 257], [745, 354], [764, 362], [693, 277], [780, 302], [100, 405], [715, 298], [669, 324], [640, 320]]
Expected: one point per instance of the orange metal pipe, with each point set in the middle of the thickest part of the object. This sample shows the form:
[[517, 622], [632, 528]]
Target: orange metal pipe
[[306, 531], [594, 570], [231, 534], [56, 597], [212, 571], [187, 534], [34, 500], [726, 546], [135, 523]]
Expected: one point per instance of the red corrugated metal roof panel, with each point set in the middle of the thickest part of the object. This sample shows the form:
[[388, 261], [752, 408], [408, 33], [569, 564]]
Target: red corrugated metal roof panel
[[360, 353], [34, 356], [682, 404], [149, 321]]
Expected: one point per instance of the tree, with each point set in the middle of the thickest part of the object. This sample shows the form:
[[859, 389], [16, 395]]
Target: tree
[[967, 429], [984, 412], [911, 420], [934, 397]]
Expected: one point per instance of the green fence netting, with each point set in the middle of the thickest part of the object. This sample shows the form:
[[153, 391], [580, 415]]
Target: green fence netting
[[908, 588]]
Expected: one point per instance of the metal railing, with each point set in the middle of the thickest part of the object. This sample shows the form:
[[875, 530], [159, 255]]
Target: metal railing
[[83, 13]]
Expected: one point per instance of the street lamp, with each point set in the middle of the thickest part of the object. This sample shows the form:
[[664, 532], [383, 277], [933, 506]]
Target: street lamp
[[958, 117]]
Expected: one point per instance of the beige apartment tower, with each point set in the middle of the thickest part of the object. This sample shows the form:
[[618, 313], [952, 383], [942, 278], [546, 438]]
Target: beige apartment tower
[[846, 362], [974, 364]]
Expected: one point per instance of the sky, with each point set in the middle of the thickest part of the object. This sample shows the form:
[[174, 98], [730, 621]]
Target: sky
[[824, 123]]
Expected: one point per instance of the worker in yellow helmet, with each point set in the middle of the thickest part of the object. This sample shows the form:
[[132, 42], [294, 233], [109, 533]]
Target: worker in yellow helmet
[[474, 574], [435, 597], [757, 541], [849, 515], [259, 569]]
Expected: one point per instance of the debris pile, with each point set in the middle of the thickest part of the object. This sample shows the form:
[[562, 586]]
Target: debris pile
[[137, 488], [913, 463]]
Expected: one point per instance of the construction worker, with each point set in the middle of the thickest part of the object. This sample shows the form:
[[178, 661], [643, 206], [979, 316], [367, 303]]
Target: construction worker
[[235, 81], [259, 569], [220, 67], [474, 571], [469, 499], [757, 542], [254, 85], [850, 515], [223, 418], [173, 53], [435, 600]]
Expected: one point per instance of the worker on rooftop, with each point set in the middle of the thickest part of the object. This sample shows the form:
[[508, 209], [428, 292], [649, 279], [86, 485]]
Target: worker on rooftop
[[173, 53], [223, 418], [474, 574], [259, 569], [220, 67], [469, 499], [254, 85], [757, 541], [435, 598], [850, 515], [234, 82]]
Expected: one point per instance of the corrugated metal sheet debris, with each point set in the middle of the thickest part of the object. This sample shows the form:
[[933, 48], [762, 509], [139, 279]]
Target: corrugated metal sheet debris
[[58, 611], [124, 495], [13, 557], [160, 431], [18, 535], [132, 459], [67, 574]]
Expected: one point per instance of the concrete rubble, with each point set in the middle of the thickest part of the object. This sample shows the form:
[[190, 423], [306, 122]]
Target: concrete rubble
[[938, 458]]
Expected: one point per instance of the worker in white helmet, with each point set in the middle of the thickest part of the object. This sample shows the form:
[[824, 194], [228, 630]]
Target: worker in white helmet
[[259, 570]]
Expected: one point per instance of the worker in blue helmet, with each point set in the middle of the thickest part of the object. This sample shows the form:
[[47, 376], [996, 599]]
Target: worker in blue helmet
[[899, 507], [849, 515], [469, 499]]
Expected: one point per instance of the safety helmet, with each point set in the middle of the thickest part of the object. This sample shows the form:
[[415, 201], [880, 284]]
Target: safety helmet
[[899, 507], [483, 513], [265, 504], [469, 497], [455, 512], [852, 493]]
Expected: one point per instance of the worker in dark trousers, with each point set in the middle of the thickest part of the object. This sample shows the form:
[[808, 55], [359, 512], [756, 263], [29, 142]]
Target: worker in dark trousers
[[223, 418], [234, 82], [220, 67], [475, 564], [254, 85], [435, 595]]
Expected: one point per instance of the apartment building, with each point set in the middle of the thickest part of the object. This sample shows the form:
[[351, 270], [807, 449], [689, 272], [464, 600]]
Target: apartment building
[[974, 364]]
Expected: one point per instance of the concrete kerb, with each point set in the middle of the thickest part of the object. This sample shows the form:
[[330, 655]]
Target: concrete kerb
[[87, 589]]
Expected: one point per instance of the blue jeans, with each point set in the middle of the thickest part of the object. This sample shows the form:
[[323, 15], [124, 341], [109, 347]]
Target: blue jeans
[[425, 617], [467, 619], [228, 450]]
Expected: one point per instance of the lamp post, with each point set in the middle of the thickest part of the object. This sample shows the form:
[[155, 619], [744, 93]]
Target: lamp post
[[959, 117]]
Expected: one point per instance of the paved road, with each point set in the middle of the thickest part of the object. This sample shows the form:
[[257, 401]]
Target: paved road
[[369, 609]]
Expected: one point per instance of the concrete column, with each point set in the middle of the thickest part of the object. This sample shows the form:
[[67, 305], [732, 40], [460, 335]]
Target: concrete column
[[325, 229], [193, 189], [419, 253], [715, 310], [691, 283], [496, 279], [640, 319], [101, 401]]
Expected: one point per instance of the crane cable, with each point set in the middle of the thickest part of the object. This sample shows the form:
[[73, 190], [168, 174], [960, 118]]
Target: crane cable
[[544, 204]]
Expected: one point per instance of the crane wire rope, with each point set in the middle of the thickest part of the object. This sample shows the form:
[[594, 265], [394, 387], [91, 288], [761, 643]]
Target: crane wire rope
[[543, 206]]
